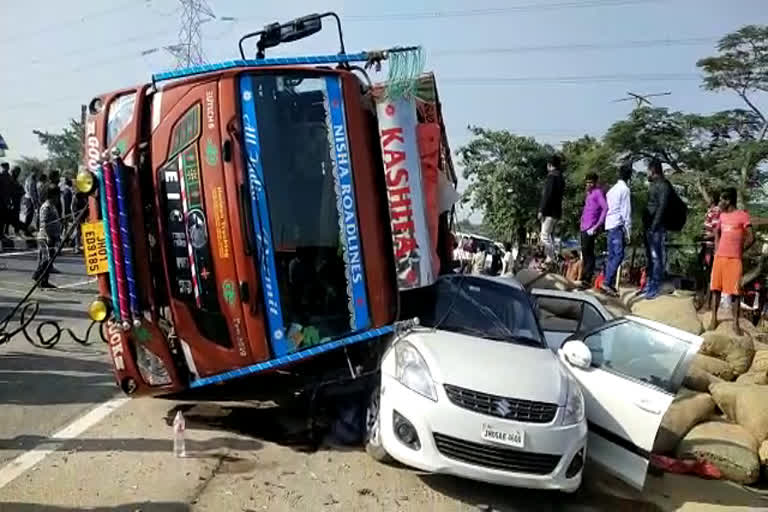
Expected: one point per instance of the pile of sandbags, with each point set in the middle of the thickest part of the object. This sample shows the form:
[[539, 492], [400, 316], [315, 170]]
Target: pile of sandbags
[[531, 278], [676, 311], [721, 416], [726, 445]]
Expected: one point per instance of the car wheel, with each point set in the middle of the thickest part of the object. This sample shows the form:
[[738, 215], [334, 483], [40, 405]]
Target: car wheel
[[373, 444]]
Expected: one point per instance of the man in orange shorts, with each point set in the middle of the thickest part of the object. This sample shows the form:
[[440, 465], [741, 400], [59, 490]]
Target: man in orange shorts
[[733, 236]]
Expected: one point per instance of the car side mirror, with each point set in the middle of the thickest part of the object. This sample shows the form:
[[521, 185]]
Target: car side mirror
[[577, 354]]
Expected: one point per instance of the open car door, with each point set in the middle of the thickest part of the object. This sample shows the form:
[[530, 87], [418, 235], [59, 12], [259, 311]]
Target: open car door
[[562, 314], [630, 370]]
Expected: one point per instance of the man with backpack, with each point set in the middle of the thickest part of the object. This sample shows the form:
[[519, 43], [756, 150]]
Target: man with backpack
[[664, 211]]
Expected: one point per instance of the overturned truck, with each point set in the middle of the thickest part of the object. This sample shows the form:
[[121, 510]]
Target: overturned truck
[[253, 215]]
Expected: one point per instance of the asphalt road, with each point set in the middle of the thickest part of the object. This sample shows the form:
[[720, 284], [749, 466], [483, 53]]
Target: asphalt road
[[43, 389], [70, 441]]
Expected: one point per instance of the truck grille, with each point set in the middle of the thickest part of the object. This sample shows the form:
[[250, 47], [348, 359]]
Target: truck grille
[[507, 408], [488, 456]]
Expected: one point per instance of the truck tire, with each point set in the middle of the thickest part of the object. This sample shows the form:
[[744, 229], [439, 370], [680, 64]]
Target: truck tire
[[373, 446]]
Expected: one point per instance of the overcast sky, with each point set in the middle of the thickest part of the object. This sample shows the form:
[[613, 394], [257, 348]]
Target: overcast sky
[[546, 68]]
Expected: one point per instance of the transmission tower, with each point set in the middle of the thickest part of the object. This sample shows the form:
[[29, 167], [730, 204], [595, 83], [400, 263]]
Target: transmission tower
[[189, 50]]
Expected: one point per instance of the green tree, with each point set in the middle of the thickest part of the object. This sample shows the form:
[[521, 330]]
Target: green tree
[[583, 156], [506, 173], [65, 149], [741, 66]]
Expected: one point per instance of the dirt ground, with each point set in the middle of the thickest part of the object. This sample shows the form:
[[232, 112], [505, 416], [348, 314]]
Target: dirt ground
[[245, 457]]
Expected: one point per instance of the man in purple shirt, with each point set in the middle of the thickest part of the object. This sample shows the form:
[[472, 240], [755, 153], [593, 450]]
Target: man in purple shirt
[[592, 217]]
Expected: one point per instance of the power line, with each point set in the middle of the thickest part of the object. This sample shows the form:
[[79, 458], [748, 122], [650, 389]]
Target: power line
[[577, 47], [566, 80], [60, 25], [478, 81], [558, 48], [496, 11], [493, 11]]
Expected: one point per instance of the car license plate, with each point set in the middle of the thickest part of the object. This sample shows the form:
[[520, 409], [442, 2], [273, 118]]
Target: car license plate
[[506, 436], [95, 248]]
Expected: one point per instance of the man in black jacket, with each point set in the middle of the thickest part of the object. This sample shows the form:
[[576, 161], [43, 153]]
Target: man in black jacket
[[655, 232], [551, 205]]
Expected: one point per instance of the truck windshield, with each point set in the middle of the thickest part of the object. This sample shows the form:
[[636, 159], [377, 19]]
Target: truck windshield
[[310, 256]]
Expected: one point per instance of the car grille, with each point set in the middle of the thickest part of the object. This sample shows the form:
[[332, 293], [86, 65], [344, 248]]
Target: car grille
[[504, 459], [507, 408]]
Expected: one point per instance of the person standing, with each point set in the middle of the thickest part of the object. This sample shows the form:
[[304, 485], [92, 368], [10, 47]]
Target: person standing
[[592, 218], [48, 237], [41, 186], [66, 192], [733, 236], [659, 192], [551, 205], [478, 260], [707, 256], [30, 204], [16, 192], [508, 263], [618, 225], [5, 199]]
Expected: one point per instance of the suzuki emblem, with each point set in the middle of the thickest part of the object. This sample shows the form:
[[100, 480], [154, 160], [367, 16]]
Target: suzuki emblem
[[503, 408]]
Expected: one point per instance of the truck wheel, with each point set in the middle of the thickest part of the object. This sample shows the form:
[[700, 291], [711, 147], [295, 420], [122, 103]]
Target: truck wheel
[[373, 445]]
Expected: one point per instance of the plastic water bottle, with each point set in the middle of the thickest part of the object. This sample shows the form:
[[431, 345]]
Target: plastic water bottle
[[179, 426]]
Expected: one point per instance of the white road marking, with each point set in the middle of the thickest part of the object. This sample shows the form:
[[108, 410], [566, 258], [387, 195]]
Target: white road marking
[[79, 283], [28, 460], [19, 253]]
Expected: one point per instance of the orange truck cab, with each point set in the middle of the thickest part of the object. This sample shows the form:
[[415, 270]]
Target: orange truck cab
[[252, 215]]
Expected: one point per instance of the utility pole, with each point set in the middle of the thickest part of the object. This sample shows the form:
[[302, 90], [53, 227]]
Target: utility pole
[[641, 99], [189, 49]]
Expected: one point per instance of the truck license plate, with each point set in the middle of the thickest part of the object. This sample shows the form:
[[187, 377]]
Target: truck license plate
[[509, 437], [95, 248]]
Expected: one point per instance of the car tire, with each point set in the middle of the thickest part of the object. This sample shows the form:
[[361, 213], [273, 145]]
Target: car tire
[[373, 444]]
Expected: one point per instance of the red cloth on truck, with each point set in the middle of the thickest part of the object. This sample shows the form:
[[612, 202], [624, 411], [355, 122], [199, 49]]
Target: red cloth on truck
[[428, 135]]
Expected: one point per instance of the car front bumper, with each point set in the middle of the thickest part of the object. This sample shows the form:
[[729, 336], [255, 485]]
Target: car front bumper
[[450, 442]]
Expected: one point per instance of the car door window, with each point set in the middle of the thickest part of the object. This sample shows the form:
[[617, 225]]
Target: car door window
[[639, 352], [559, 315], [590, 319]]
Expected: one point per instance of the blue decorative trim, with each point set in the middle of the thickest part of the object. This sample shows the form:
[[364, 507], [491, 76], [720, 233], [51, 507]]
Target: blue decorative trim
[[345, 205], [292, 358], [108, 242], [259, 63], [261, 221], [125, 239]]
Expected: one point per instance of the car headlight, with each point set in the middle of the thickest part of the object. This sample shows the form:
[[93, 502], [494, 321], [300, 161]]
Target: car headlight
[[574, 403], [412, 371]]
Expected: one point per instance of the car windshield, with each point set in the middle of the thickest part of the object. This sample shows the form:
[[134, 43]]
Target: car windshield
[[475, 306]]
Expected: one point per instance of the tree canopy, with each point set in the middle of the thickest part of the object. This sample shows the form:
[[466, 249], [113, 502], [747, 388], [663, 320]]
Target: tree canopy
[[65, 149], [703, 152]]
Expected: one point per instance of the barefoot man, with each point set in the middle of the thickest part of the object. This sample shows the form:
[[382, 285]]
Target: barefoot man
[[733, 236]]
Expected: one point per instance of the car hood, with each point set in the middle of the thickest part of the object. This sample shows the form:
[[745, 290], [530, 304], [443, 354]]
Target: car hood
[[494, 367]]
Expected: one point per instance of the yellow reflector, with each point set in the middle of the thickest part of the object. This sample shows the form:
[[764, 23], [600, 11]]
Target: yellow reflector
[[97, 310], [84, 182]]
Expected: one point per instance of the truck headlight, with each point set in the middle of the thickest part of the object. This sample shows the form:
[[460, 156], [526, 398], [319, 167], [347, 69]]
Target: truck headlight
[[84, 182], [412, 371], [574, 403]]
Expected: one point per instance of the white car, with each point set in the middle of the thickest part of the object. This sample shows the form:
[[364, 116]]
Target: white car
[[475, 391]]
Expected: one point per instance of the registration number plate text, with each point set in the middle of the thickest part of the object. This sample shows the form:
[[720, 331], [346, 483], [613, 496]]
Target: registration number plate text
[[509, 437], [95, 248]]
